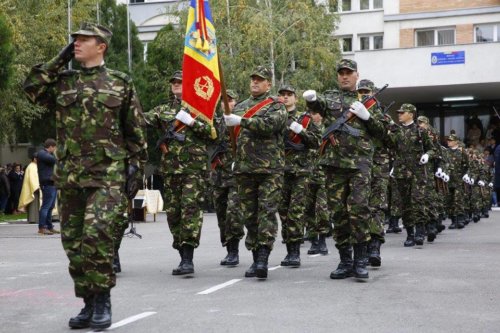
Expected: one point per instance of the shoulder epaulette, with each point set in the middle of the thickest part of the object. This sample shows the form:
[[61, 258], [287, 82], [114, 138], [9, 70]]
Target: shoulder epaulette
[[121, 75]]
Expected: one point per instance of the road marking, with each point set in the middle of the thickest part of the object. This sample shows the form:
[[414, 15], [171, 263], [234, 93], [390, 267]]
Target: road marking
[[218, 287], [274, 268], [128, 320], [314, 255]]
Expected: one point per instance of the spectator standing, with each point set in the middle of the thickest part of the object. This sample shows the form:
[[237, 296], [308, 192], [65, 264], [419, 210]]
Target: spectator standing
[[16, 184], [30, 192], [46, 163], [4, 190]]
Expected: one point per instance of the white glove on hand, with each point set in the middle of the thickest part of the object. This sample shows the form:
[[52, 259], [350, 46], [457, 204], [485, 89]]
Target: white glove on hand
[[443, 175], [446, 178], [480, 183], [232, 120], [391, 173], [296, 127], [490, 185], [360, 111], [309, 95], [184, 118], [439, 173], [466, 178], [424, 159], [471, 181], [232, 166]]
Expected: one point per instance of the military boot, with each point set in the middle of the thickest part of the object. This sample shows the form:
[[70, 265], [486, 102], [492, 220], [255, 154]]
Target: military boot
[[390, 228], [233, 258], [314, 246], [250, 272], [223, 262], [440, 227], [419, 234], [262, 259], [82, 320], [468, 218], [485, 213], [359, 266], [176, 271], [294, 259], [117, 267], [460, 221], [431, 231], [374, 252], [101, 318], [286, 260], [410, 238], [453, 224], [322, 245], [187, 266], [476, 217], [344, 269]]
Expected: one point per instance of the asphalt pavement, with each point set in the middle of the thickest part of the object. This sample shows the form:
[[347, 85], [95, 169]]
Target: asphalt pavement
[[451, 285]]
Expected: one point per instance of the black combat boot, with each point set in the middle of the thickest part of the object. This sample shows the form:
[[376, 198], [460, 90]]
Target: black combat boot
[[294, 259], [286, 260], [431, 231], [82, 320], [314, 246], [223, 262], [468, 218], [101, 318], [419, 234], [117, 267], [359, 266], [453, 224], [461, 221], [322, 245], [410, 238], [344, 269], [390, 228], [262, 258], [233, 258], [177, 270], [476, 217], [485, 213], [374, 252], [250, 272], [187, 266], [440, 227]]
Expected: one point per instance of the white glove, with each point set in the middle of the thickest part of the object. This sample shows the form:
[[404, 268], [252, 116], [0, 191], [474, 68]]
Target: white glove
[[424, 159], [446, 178], [490, 185], [309, 95], [360, 111], [471, 181], [466, 178], [232, 120], [296, 127], [439, 173], [391, 173], [444, 175], [185, 118], [232, 166], [480, 183]]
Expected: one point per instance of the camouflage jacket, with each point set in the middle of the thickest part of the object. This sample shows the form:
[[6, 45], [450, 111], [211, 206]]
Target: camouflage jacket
[[184, 156], [411, 143], [384, 143], [298, 161], [351, 152], [222, 175], [458, 166], [260, 144], [99, 122]]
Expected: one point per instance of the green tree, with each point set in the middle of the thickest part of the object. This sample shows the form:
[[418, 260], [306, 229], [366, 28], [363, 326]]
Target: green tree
[[6, 53]]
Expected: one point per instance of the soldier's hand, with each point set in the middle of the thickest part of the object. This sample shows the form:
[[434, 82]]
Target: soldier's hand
[[296, 127], [68, 52], [185, 118], [465, 178], [424, 159], [360, 110], [446, 178], [471, 181], [132, 184], [480, 183], [439, 173], [309, 95], [391, 173], [232, 120], [490, 185]]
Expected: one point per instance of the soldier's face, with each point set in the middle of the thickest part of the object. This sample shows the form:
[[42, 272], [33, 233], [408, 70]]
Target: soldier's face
[[316, 117], [347, 79], [405, 117], [176, 87], [259, 86], [452, 144], [423, 125], [87, 49], [288, 98], [231, 102]]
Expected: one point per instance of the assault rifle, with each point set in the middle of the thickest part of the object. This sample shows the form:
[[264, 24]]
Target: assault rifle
[[171, 133]]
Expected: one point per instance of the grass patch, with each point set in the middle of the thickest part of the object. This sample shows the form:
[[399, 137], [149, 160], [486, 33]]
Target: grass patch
[[13, 218]]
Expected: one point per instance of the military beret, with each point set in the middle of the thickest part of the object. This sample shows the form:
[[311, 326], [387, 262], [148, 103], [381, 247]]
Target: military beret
[[176, 76], [263, 72], [348, 64], [407, 108], [453, 137], [92, 29], [232, 94], [286, 87], [423, 119], [366, 85]]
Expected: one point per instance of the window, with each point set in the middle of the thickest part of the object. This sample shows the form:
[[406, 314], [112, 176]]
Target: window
[[378, 4], [435, 37], [373, 42], [346, 5], [487, 33], [370, 4], [364, 43], [378, 42], [364, 4], [346, 44]]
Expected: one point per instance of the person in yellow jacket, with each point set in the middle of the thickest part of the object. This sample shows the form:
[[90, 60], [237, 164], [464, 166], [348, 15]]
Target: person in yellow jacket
[[29, 199]]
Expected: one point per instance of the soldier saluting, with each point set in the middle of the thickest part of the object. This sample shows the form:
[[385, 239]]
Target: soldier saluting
[[99, 135]]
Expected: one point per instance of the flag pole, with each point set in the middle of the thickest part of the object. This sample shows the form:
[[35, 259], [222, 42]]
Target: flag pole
[[225, 100]]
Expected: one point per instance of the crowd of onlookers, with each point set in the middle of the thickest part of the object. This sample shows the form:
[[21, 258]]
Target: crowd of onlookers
[[11, 183]]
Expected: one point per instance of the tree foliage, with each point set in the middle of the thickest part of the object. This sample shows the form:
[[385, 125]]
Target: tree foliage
[[6, 53]]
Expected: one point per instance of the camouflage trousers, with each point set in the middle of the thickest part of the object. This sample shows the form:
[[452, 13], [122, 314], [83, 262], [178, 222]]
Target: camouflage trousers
[[317, 216], [184, 197], [226, 208], [394, 200], [378, 200], [476, 199], [456, 201], [88, 220], [431, 203], [413, 192], [259, 196], [292, 207], [348, 192]]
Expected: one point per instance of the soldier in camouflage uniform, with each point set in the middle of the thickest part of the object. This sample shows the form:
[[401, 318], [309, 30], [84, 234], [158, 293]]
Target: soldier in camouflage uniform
[[476, 174], [301, 139], [414, 148], [458, 170], [347, 156], [260, 123], [395, 210], [225, 191], [183, 140], [99, 126]]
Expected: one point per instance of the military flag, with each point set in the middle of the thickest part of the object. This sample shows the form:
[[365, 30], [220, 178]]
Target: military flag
[[201, 86]]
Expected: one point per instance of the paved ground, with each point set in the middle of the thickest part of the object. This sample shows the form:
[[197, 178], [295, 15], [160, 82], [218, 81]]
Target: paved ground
[[449, 286]]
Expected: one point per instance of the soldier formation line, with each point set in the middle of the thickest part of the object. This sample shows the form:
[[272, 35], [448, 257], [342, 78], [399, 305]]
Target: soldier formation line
[[339, 168]]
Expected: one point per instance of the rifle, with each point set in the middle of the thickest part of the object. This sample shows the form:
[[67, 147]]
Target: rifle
[[215, 156], [387, 108], [171, 133]]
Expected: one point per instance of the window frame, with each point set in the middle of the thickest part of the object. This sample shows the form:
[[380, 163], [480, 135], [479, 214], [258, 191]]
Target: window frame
[[341, 6], [435, 36], [341, 42], [371, 41], [496, 32]]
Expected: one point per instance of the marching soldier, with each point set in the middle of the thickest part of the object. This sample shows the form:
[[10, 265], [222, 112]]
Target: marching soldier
[[260, 123], [99, 124], [303, 136], [183, 142], [347, 155], [459, 168]]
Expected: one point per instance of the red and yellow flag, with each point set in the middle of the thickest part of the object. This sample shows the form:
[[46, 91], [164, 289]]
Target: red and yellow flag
[[200, 68]]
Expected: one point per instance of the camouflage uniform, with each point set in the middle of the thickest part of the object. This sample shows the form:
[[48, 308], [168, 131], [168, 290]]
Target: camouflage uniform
[[458, 167], [99, 126]]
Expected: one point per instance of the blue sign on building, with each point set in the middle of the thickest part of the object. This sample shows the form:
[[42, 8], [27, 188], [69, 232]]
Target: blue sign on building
[[447, 58]]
